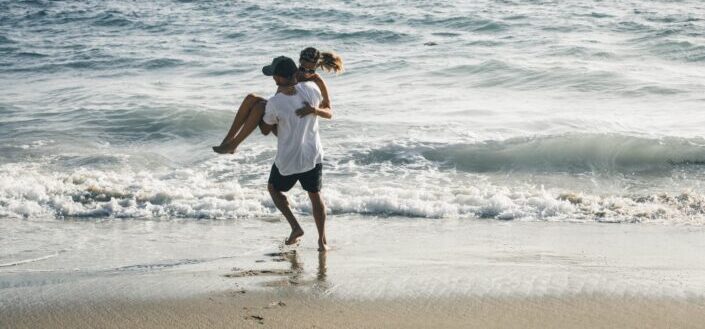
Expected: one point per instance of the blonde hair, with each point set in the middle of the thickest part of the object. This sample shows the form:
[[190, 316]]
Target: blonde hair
[[331, 62]]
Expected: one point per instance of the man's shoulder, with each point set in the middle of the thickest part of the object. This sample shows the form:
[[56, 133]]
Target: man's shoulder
[[310, 89], [276, 100], [309, 86]]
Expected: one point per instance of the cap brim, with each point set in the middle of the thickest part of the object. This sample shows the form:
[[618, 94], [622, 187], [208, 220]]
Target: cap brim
[[268, 70]]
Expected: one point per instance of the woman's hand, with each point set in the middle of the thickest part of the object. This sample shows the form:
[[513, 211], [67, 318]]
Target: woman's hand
[[306, 110]]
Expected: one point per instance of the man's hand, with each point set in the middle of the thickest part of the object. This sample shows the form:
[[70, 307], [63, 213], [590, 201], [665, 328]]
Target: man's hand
[[306, 110], [265, 129]]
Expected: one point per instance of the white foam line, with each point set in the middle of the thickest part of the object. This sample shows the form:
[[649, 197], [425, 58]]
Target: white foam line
[[27, 261]]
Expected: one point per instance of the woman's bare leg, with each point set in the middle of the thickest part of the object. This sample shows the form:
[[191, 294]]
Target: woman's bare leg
[[251, 123], [240, 117], [242, 113]]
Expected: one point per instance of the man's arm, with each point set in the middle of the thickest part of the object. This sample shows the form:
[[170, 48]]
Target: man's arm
[[325, 112], [269, 120], [265, 129]]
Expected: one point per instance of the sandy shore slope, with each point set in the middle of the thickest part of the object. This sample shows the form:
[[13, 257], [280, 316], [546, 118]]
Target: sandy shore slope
[[262, 310], [381, 273]]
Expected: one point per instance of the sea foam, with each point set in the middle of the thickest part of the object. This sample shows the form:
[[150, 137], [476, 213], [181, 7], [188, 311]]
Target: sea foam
[[93, 193]]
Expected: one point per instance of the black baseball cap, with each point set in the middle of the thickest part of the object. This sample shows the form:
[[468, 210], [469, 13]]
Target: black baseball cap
[[310, 54], [281, 66]]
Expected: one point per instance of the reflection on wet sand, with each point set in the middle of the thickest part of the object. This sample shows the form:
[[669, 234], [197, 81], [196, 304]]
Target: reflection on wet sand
[[294, 276], [322, 267]]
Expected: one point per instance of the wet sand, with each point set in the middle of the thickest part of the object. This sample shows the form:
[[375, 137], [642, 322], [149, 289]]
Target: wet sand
[[235, 309], [381, 273]]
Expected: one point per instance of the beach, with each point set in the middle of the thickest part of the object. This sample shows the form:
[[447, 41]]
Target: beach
[[488, 164], [236, 310], [381, 273]]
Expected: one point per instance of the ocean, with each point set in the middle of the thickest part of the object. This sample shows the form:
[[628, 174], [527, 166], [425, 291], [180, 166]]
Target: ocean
[[568, 111]]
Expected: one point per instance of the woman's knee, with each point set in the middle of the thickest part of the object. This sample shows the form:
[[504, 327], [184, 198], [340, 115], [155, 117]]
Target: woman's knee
[[260, 106], [254, 98]]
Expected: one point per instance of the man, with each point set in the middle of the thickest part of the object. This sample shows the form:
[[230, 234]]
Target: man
[[294, 110]]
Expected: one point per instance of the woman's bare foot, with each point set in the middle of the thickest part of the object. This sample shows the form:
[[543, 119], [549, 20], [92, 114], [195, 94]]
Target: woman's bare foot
[[219, 149], [296, 234], [224, 149]]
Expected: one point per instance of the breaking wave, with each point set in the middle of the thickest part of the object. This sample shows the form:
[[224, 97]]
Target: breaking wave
[[32, 193], [576, 153]]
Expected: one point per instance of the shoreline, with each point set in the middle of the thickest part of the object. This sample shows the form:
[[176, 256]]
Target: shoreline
[[381, 273]]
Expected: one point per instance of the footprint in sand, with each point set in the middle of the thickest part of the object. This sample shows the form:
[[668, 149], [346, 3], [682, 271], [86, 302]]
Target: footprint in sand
[[257, 318], [275, 304], [249, 273]]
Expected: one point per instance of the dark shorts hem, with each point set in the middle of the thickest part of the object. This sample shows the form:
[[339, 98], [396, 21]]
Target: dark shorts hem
[[311, 181]]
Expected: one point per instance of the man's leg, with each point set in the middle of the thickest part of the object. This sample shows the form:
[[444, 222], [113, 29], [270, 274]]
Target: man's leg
[[319, 215], [282, 204]]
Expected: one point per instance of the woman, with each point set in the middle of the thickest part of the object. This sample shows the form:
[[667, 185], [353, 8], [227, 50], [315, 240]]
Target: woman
[[252, 108]]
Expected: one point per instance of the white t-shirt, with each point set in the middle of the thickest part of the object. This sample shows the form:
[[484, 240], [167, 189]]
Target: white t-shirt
[[298, 142]]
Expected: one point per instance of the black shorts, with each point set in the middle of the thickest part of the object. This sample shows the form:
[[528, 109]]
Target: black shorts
[[311, 180]]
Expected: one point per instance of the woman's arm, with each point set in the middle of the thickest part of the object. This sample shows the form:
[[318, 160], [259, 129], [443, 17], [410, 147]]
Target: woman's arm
[[325, 102], [316, 78], [323, 112]]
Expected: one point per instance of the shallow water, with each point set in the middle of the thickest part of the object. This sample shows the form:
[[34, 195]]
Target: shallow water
[[69, 261], [511, 110]]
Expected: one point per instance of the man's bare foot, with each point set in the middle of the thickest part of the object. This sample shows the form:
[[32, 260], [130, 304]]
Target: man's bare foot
[[322, 246], [294, 237]]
